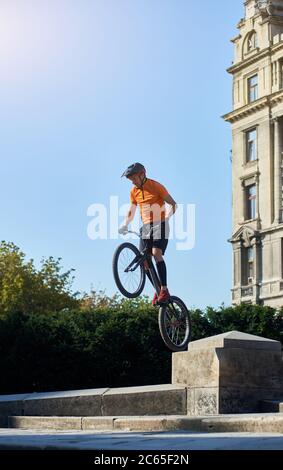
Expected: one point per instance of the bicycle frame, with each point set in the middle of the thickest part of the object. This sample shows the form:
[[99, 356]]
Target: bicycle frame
[[145, 256], [154, 276], [173, 315]]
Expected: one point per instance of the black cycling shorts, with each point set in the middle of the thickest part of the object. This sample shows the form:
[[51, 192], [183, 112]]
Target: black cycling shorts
[[158, 238]]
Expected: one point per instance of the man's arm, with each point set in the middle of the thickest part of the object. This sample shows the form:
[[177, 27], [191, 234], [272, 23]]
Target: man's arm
[[173, 205], [129, 217], [130, 214]]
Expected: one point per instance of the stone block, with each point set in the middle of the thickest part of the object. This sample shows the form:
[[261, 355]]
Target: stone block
[[69, 403], [229, 373], [148, 400], [156, 424], [43, 422], [11, 405], [100, 423]]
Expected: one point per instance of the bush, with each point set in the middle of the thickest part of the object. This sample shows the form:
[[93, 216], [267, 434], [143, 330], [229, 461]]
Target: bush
[[79, 349], [108, 346], [51, 340], [252, 319]]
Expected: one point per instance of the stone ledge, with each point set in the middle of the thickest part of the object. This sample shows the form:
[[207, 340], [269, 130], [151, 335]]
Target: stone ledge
[[260, 422], [236, 339], [144, 400]]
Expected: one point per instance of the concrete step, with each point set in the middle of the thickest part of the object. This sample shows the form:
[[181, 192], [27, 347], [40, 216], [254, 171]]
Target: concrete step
[[263, 422], [129, 401], [271, 406]]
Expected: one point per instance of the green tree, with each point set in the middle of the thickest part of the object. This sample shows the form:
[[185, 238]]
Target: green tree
[[252, 319], [25, 289]]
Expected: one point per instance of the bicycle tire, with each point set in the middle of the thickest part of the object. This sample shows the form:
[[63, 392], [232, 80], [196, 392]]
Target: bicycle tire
[[163, 327], [141, 270]]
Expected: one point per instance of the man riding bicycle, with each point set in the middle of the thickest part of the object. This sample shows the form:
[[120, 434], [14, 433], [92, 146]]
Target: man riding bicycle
[[151, 197]]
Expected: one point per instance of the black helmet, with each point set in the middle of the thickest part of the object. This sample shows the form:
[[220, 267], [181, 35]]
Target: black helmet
[[132, 169]]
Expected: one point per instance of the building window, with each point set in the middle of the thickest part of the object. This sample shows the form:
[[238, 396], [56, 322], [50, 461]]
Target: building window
[[274, 73], [281, 208], [251, 147], [248, 266], [252, 88], [251, 202], [250, 259], [281, 74], [252, 42]]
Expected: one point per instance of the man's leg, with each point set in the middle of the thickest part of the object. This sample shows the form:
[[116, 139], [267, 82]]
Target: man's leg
[[161, 267], [143, 244], [160, 243], [147, 272], [164, 295]]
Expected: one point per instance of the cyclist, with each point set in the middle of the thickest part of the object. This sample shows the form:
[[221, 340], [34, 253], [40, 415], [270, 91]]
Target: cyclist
[[151, 197]]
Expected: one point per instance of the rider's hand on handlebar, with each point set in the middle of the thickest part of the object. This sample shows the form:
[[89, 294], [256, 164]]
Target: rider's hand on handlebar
[[123, 229]]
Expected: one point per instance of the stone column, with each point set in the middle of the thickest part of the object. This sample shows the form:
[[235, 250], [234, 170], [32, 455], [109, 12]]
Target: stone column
[[258, 221], [244, 203], [237, 264], [237, 272], [229, 373], [257, 268], [277, 172]]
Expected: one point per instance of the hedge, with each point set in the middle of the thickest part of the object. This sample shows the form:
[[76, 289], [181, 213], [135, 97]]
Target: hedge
[[111, 346]]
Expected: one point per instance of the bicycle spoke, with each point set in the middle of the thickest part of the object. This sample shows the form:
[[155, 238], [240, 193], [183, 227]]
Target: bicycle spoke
[[130, 279], [176, 324]]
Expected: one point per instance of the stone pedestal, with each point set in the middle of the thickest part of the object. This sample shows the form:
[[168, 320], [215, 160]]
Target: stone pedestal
[[229, 373]]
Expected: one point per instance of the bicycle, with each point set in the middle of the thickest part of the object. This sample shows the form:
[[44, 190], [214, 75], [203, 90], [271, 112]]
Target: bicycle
[[129, 274]]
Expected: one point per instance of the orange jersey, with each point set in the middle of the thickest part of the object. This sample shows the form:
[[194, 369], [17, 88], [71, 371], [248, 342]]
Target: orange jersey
[[150, 199]]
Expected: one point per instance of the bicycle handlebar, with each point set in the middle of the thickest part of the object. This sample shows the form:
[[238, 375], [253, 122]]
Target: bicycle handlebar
[[132, 231], [138, 234]]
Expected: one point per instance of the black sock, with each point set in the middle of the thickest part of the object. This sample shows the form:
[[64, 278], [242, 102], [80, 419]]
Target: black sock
[[149, 277], [162, 272]]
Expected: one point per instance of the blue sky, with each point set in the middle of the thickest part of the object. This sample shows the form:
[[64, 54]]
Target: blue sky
[[88, 87]]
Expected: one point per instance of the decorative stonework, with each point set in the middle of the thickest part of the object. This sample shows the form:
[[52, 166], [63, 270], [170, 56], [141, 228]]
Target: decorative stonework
[[245, 235], [247, 291], [229, 373], [264, 7], [258, 110]]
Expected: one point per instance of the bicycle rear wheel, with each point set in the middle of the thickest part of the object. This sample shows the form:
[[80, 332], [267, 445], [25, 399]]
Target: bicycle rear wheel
[[175, 324], [129, 275]]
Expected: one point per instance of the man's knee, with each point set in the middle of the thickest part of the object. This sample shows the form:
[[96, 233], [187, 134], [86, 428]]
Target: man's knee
[[146, 267], [157, 253]]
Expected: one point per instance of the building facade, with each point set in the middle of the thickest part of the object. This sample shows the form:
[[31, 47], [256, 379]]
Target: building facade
[[257, 155]]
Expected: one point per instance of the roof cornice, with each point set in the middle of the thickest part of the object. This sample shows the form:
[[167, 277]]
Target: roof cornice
[[253, 107], [251, 60], [246, 110]]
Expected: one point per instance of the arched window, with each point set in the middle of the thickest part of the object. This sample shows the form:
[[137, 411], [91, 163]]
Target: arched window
[[251, 41]]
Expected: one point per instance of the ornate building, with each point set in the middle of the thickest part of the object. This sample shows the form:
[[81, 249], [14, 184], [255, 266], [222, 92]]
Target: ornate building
[[257, 157]]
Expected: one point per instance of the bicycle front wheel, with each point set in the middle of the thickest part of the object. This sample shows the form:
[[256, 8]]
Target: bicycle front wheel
[[128, 273], [175, 324]]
